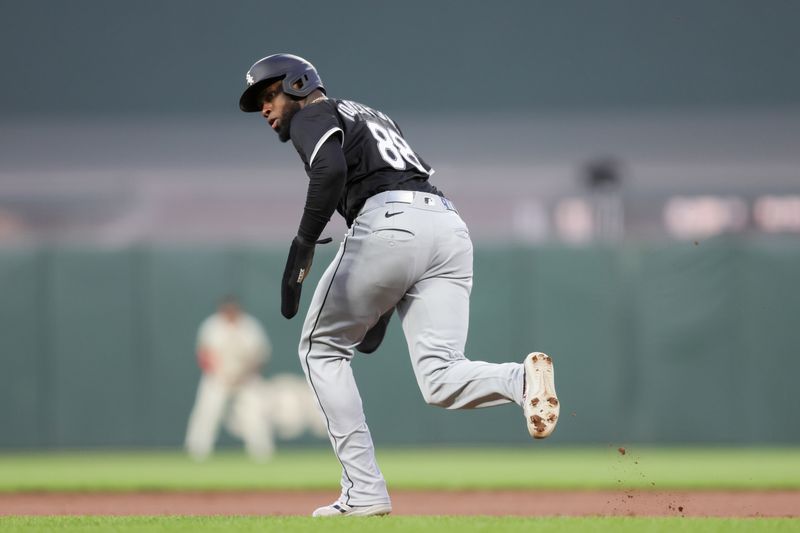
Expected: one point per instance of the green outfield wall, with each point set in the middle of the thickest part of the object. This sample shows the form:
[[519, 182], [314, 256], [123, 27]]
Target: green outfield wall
[[666, 343]]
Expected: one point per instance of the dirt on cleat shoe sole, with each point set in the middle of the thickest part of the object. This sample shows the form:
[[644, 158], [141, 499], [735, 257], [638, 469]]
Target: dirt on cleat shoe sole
[[540, 403], [342, 509]]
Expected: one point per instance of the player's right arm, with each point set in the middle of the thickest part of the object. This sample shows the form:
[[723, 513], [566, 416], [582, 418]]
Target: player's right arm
[[205, 360], [205, 357], [326, 179], [318, 138]]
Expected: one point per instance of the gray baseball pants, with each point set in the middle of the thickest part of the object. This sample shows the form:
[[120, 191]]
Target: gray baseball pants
[[410, 250]]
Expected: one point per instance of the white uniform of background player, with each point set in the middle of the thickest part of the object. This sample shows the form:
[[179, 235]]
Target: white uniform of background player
[[231, 349]]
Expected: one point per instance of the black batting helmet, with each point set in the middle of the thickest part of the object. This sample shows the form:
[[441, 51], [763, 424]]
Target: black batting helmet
[[292, 69]]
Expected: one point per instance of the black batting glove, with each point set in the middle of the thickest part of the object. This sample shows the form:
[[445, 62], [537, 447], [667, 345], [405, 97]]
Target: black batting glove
[[298, 265], [374, 336]]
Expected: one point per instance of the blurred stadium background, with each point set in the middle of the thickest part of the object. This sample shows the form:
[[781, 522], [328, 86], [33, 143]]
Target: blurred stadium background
[[630, 172]]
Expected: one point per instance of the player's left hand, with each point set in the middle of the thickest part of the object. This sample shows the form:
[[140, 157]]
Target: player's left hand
[[374, 336], [298, 265]]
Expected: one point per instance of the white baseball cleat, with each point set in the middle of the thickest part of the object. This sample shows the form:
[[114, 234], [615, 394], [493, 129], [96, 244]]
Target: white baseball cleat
[[539, 401], [342, 509]]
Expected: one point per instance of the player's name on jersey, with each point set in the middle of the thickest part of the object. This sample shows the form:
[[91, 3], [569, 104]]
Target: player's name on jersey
[[350, 109]]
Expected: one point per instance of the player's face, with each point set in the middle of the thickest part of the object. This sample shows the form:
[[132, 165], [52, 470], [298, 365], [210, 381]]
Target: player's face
[[230, 311], [278, 108]]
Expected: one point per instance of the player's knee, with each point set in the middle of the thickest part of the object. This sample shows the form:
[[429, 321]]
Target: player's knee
[[305, 351], [321, 358], [436, 395]]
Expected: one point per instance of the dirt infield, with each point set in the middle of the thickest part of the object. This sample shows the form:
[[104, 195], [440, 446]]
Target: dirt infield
[[518, 503]]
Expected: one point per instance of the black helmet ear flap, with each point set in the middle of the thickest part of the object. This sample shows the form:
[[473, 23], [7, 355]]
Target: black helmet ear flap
[[294, 85], [300, 82]]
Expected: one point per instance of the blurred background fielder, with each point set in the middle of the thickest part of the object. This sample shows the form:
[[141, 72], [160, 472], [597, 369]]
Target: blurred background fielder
[[232, 347]]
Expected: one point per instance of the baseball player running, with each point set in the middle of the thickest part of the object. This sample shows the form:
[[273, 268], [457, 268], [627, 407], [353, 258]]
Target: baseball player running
[[407, 249]]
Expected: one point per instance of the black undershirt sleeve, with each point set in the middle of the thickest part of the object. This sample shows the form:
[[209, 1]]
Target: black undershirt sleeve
[[326, 182]]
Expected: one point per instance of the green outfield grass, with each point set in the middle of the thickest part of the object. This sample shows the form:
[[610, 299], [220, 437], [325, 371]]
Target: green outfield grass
[[464, 468], [438, 524]]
